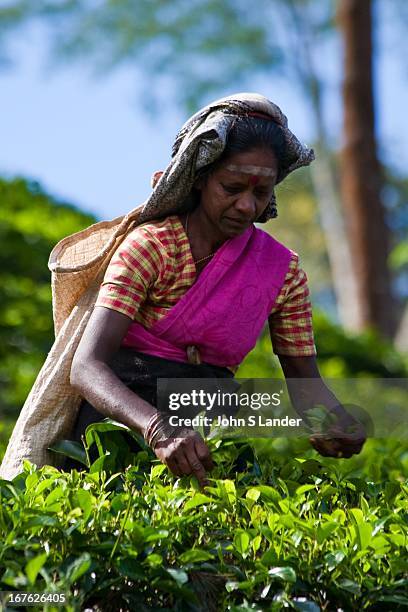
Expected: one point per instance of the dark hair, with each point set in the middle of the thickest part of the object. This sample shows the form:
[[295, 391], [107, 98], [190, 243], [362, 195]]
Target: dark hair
[[249, 133]]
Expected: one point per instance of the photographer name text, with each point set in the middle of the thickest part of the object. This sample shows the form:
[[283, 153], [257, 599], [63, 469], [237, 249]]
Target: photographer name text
[[231, 421]]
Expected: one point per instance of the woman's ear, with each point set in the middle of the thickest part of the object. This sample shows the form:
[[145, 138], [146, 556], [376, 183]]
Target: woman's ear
[[155, 178]]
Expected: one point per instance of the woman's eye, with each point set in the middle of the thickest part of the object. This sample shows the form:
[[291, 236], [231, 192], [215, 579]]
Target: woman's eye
[[234, 189], [230, 189], [262, 193]]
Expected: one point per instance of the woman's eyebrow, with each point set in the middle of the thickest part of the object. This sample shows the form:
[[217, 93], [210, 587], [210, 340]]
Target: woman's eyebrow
[[248, 169]]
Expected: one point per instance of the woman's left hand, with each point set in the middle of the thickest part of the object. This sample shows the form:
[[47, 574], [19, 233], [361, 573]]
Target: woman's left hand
[[343, 439]]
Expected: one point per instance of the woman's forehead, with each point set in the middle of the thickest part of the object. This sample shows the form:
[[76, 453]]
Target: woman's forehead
[[256, 162], [250, 169]]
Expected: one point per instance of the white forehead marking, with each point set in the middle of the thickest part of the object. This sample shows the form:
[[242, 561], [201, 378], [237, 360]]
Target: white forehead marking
[[256, 170]]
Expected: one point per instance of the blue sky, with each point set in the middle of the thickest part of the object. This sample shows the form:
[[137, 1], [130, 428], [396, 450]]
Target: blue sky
[[89, 142]]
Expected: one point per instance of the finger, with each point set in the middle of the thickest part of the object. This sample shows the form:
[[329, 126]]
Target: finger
[[173, 466], [349, 441], [325, 447], [345, 454], [167, 454], [203, 454], [336, 448], [357, 435], [353, 445], [322, 450], [336, 443], [197, 467], [326, 443], [349, 451], [183, 463]]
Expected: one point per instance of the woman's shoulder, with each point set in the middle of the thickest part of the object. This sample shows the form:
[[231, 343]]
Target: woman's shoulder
[[162, 231], [161, 235]]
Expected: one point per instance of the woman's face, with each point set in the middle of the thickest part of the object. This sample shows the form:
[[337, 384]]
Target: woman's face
[[238, 192]]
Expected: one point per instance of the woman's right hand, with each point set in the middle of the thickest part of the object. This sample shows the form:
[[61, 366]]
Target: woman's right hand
[[186, 453]]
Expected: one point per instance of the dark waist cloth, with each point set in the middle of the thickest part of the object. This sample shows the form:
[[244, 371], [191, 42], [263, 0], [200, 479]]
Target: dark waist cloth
[[139, 372]]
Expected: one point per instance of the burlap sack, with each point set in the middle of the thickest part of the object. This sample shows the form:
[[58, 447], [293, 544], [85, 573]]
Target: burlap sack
[[50, 410], [78, 264]]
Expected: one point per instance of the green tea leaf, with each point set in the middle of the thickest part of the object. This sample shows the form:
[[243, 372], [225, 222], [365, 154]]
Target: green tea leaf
[[195, 555], [157, 470], [325, 530], [71, 449], [350, 586], [241, 542], [269, 493], [304, 488], [256, 543], [85, 501], [34, 565], [32, 480], [98, 464], [52, 497], [357, 515], [78, 567], [287, 574], [42, 520], [197, 500], [397, 598], [44, 484], [253, 494], [334, 559], [154, 560], [178, 575]]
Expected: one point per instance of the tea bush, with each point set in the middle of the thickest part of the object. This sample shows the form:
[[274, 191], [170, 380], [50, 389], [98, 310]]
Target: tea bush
[[289, 530]]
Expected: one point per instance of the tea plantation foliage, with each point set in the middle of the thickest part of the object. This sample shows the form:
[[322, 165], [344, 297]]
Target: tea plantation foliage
[[280, 527], [291, 530]]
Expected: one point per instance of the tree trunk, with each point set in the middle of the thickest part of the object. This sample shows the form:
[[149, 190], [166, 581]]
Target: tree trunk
[[323, 175], [360, 171], [337, 245]]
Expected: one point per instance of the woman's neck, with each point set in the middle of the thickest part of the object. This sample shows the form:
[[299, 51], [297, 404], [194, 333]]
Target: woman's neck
[[201, 234]]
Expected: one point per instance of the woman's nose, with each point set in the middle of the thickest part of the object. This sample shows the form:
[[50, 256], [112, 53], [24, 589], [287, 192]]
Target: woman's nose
[[246, 204]]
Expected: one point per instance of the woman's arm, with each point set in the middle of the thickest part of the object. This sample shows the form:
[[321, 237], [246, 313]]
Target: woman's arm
[[307, 389], [98, 384], [94, 379], [291, 330]]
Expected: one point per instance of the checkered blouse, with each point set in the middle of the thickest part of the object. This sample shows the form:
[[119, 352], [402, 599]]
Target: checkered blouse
[[154, 267]]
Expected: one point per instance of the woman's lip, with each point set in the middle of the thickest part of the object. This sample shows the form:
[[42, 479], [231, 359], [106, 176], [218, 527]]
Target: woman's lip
[[237, 221]]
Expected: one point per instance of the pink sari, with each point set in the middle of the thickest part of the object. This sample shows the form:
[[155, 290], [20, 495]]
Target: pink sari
[[223, 313]]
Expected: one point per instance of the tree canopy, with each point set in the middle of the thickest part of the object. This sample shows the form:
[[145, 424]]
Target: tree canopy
[[193, 48], [188, 52], [31, 222]]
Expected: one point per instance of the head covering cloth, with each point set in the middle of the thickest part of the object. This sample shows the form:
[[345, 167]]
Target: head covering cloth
[[78, 264], [202, 140]]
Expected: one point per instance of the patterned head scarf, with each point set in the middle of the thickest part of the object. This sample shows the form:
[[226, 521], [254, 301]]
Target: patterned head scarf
[[202, 140]]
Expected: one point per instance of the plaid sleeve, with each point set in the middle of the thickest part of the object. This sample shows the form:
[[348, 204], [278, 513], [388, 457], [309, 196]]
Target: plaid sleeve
[[134, 268], [291, 317]]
